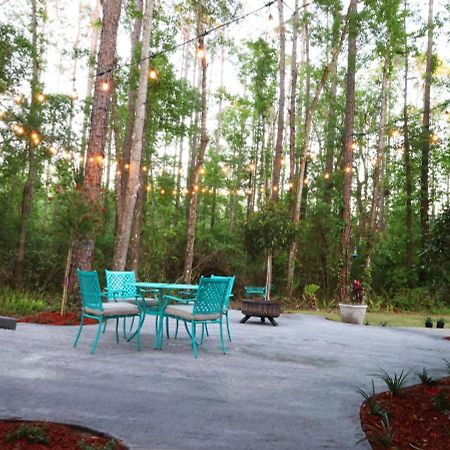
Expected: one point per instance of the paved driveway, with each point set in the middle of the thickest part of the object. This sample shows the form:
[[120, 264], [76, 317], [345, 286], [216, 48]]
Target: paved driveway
[[289, 387]]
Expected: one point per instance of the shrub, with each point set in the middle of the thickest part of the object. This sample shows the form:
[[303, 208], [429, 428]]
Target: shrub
[[17, 303]]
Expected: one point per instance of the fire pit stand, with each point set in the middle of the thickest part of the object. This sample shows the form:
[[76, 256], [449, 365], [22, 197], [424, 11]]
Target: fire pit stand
[[262, 309]]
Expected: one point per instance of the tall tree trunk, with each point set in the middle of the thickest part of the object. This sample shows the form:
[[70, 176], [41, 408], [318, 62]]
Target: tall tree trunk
[[424, 194], [407, 160], [276, 173], [32, 166], [90, 82], [305, 146], [344, 276], [129, 203], [381, 148], [131, 110], [84, 246], [192, 196], [292, 109], [276, 169]]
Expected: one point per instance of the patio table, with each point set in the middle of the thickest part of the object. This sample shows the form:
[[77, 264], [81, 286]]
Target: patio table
[[161, 288]]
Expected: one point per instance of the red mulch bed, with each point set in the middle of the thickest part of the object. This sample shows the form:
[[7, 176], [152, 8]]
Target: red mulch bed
[[55, 318], [415, 421], [60, 437]]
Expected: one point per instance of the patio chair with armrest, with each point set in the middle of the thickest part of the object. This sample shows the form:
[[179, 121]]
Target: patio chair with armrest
[[208, 308], [94, 307], [121, 287]]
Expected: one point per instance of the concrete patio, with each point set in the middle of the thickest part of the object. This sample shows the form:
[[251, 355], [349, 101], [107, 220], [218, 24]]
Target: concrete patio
[[289, 387]]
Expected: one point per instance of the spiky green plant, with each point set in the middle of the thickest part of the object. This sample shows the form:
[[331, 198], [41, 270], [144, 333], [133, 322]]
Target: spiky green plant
[[424, 377], [394, 383], [110, 445], [375, 408], [382, 434], [33, 434], [447, 364], [441, 403]]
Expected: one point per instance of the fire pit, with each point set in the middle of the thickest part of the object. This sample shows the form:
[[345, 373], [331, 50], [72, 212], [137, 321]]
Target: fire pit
[[262, 309]]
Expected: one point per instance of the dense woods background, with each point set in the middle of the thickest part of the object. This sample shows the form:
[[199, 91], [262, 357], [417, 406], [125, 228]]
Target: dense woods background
[[305, 144]]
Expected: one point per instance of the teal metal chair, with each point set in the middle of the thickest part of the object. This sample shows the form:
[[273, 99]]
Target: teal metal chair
[[121, 287], [208, 308], [226, 305], [94, 307]]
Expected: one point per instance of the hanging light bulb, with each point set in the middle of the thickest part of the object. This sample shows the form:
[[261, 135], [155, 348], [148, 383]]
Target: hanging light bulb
[[201, 52], [251, 167], [202, 170], [153, 74], [148, 188], [53, 150], [40, 97], [19, 99], [35, 137], [348, 169], [18, 129], [306, 181], [104, 86], [275, 189], [355, 146], [326, 175], [270, 17], [395, 133], [434, 138], [291, 185]]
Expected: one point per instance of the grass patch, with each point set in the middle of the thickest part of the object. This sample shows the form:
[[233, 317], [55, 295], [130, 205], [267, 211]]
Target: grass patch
[[404, 319], [16, 303]]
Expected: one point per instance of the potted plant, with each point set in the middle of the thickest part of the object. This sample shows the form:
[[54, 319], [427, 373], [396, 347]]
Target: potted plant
[[428, 322], [267, 231], [356, 311], [440, 323]]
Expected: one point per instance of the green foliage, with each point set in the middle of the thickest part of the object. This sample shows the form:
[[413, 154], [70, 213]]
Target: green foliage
[[428, 322], [268, 229], [441, 402], [424, 377], [17, 303], [375, 408], [382, 434], [15, 57], [33, 434], [110, 445], [394, 383], [436, 252]]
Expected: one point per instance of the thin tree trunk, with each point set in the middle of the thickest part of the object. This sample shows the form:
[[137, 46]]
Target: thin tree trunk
[[84, 246], [381, 147], [407, 161], [424, 170], [128, 206], [32, 168], [305, 146], [292, 110], [276, 174], [131, 107], [90, 82], [192, 196], [348, 153]]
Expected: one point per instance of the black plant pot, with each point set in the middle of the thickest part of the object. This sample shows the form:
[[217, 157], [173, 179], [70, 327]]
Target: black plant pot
[[440, 325], [429, 325]]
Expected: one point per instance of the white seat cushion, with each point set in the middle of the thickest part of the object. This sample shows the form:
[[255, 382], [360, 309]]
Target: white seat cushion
[[148, 301], [186, 312], [114, 309]]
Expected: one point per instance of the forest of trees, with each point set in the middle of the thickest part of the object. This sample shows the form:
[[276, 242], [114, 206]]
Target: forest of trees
[[292, 143]]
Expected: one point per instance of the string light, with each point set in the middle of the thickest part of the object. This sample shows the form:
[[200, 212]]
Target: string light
[[251, 167], [68, 156], [153, 74], [148, 188], [100, 159], [291, 185], [53, 150], [434, 138], [348, 169], [447, 115], [118, 172], [275, 189], [261, 189], [355, 146], [35, 137], [126, 166], [144, 168], [395, 133], [2, 114], [18, 129], [174, 192], [196, 188], [104, 86], [19, 99], [91, 159], [201, 52], [282, 162], [326, 176], [202, 170], [40, 97], [306, 181], [163, 191], [73, 96]]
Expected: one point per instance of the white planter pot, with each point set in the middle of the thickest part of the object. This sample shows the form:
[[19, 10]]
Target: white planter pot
[[353, 313]]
